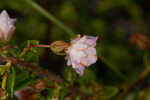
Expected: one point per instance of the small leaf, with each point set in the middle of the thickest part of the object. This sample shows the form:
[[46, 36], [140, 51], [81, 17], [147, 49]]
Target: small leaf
[[23, 79], [69, 74], [33, 42], [63, 92], [51, 93], [109, 92], [11, 81], [31, 54], [3, 69]]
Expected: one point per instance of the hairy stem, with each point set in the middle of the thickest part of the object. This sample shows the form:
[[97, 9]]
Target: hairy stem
[[50, 17], [35, 69], [29, 47]]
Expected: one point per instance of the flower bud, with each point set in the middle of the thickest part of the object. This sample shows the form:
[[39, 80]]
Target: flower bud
[[58, 47], [6, 26]]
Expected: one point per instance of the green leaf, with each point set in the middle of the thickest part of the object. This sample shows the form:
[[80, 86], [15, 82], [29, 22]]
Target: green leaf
[[108, 92], [11, 81], [89, 74], [3, 69], [23, 84], [51, 93], [30, 55], [14, 51], [23, 78], [69, 74], [63, 92], [33, 42]]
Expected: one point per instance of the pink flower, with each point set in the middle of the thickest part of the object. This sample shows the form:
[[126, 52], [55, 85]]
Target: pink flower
[[6, 26], [81, 53]]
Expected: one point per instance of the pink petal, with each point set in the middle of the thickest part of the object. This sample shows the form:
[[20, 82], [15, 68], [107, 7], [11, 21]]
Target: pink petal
[[73, 41], [68, 60], [92, 59], [76, 55], [90, 40], [90, 51], [79, 68]]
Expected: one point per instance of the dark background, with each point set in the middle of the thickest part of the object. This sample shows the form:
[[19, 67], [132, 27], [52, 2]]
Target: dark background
[[113, 21]]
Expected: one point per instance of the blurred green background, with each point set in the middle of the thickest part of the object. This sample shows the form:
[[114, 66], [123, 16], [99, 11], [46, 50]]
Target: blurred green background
[[113, 21]]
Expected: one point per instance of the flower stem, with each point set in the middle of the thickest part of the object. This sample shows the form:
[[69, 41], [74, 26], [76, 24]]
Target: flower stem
[[41, 46], [4, 80], [146, 71], [29, 47], [5, 76], [50, 17]]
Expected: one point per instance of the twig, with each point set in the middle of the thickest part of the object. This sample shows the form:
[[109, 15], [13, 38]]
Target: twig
[[41, 46], [129, 88], [29, 47], [44, 73], [5, 75], [36, 69]]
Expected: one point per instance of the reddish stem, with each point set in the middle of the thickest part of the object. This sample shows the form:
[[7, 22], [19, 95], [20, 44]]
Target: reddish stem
[[41, 46]]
